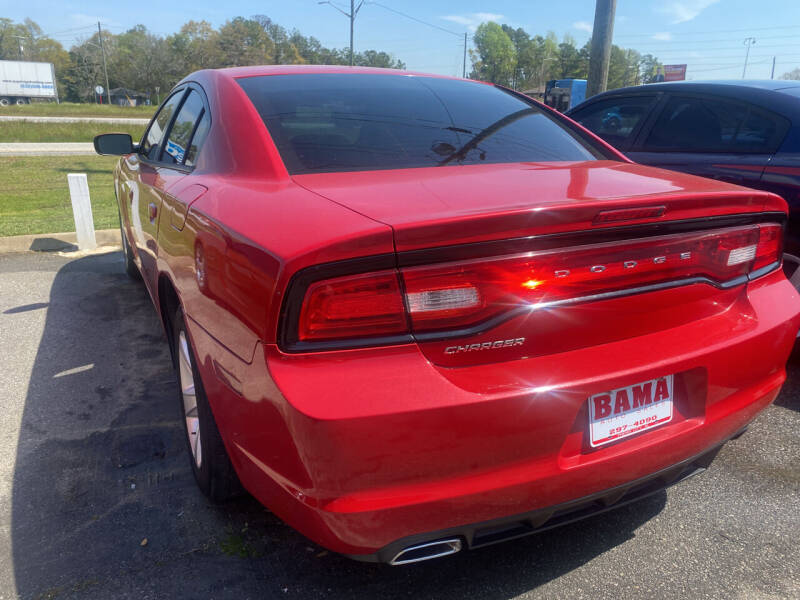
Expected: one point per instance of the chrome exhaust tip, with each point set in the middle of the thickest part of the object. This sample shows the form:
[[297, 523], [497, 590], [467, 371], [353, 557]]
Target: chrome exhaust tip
[[426, 551]]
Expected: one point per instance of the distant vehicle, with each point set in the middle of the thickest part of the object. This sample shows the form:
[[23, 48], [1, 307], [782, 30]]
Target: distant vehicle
[[22, 80], [413, 314], [744, 132], [563, 94]]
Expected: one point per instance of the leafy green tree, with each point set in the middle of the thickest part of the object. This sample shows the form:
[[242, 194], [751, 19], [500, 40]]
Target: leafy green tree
[[372, 58], [245, 42], [571, 62], [140, 60], [285, 52], [196, 46], [530, 61], [313, 52], [648, 68], [494, 57]]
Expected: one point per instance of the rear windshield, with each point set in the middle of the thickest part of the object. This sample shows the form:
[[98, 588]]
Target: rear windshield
[[359, 122]]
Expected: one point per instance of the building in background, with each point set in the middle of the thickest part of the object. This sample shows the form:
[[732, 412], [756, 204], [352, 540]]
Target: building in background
[[125, 97]]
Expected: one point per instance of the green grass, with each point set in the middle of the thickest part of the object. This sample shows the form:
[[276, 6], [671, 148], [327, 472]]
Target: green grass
[[34, 197], [21, 131], [67, 109]]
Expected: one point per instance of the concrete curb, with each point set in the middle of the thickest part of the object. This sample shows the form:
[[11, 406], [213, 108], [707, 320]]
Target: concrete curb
[[55, 242]]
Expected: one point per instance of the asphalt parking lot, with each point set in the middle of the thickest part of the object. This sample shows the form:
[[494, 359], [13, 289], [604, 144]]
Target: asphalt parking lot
[[97, 498]]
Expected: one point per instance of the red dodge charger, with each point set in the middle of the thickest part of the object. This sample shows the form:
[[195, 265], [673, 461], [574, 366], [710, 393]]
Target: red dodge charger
[[414, 314]]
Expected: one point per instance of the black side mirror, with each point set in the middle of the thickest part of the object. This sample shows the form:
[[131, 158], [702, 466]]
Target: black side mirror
[[113, 143]]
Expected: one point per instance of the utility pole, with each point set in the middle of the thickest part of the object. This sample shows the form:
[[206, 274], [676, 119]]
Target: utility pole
[[20, 46], [464, 63], [600, 54], [747, 42], [352, 16], [772, 75], [541, 76], [105, 70]]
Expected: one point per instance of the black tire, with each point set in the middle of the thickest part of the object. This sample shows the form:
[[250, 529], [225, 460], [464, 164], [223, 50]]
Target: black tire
[[215, 475], [130, 264]]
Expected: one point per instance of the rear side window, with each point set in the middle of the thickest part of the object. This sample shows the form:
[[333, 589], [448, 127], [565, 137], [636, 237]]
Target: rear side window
[[181, 133], [359, 122], [151, 147], [198, 138], [714, 125], [615, 119]]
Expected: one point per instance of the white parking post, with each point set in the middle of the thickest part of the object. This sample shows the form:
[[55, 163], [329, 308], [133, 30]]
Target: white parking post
[[82, 210]]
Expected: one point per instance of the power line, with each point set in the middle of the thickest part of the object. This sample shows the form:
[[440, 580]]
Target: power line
[[407, 16], [732, 48], [715, 41], [710, 32], [402, 14], [72, 29], [706, 59]]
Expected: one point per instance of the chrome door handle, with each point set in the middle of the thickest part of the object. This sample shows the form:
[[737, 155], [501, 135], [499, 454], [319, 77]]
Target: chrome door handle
[[152, 211]]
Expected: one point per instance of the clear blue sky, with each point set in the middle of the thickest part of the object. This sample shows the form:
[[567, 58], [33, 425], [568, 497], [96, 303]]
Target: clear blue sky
[[708, 35]]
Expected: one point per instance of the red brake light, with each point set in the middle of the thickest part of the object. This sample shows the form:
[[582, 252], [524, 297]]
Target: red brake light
[[354, 306], [770, 246], [480, 290], [448, 297]]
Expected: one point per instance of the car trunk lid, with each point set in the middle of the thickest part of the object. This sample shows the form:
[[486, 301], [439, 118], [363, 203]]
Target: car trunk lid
[[441, 206]]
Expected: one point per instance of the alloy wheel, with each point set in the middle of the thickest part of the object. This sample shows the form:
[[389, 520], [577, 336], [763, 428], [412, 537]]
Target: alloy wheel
[[188, 393]]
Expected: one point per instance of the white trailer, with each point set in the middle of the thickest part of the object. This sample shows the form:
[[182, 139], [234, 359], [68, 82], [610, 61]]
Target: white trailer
[[22, 80]]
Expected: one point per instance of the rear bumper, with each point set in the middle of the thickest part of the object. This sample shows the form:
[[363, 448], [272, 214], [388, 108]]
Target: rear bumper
[[479, 535], [363, 451]]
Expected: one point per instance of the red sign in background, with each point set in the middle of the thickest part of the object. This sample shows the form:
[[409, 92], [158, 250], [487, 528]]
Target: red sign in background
[[674, 72]]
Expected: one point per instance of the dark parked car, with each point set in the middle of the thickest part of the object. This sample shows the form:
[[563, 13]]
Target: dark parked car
[[744, 132]]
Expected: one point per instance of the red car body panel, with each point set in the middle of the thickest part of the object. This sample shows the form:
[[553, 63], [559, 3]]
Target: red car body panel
[[359, 448]]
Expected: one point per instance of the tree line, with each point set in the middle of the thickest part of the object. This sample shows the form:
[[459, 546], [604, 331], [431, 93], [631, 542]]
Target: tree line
[[143, 61], [514, 58]]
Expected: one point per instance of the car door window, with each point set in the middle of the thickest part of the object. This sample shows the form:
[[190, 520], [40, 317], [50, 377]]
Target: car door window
[[151, 145], [200, 133], [182, 129], [614, 119], [761, 132], [711, 125]]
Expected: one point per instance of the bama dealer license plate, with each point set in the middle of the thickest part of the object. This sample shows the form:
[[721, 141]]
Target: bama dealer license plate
[[619, 413]]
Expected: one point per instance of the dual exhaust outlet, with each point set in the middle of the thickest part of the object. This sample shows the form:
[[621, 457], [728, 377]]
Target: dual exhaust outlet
[[427, 551]]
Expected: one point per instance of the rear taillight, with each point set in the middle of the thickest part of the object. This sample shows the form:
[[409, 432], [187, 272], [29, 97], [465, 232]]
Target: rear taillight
[[770, 246], [491, 287], [452, 297], [355, 306]]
